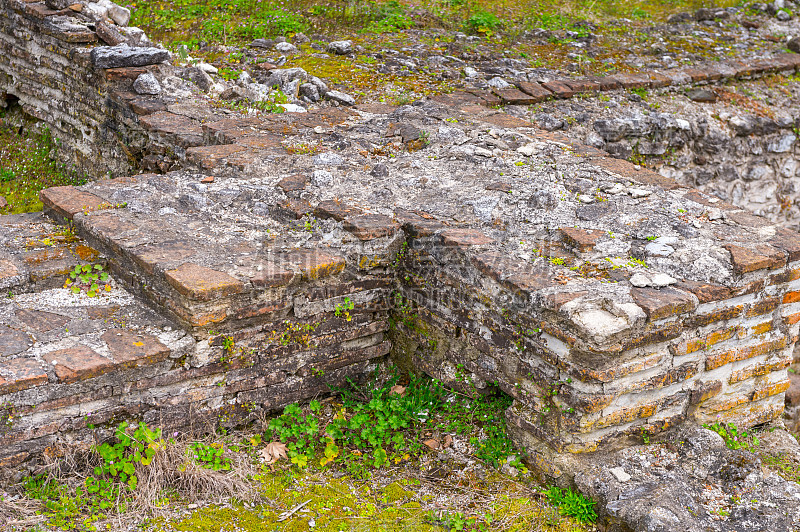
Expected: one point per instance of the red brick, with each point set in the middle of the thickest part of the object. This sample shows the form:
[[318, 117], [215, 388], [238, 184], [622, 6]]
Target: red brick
[[77, 363], [370, 226], [559, 88], [146, 106], [723, 314], [772, 389], [271, 276], [633, 81], [294, 208], [791, 297], [68, 201], [202, 284], [763, 307], [335, 209], [316, 264], [13, 342], [662, 303], [582, 239], [514, 96], [149, 256], [704, 391], [465, 238], [210, 157], [293, 183], [41, 321], [758, 370], [716, 360], [131, 350], [119, 74], [535, 90], [21, 374], [583, 85], [747, 260]]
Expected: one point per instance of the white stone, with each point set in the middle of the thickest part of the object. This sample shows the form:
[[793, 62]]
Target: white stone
[[321, 178], [208, 69], [342, 98], [286, 48], [585, 198], [120, 15], [640, 280], [471, 72], [620, 474], [340, 47], [328, 159], [782, 145], [616, 188], [293, 108], [483, 152], [661, 280], [528, 150], [637, 193], [498, 83], [147, 84], [659, 250]]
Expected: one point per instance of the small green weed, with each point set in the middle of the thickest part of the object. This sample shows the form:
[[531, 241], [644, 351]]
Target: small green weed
[[572, 504], [88, 278], [733, 438], [484, 22], [211, 456], [344, 308]]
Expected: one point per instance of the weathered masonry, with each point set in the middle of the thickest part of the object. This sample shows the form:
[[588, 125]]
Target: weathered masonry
[[605, 298]]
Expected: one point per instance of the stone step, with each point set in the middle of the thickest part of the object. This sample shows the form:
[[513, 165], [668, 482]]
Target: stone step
[[211, 268], [36, 254]]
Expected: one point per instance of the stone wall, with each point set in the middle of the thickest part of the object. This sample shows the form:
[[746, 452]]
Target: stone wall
[[587, 368], [46, 64]]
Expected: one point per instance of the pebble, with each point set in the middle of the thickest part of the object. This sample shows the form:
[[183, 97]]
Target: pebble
[[620, 474]]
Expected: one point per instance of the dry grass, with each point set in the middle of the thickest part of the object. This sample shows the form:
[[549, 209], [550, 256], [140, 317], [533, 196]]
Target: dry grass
[[171, 473]]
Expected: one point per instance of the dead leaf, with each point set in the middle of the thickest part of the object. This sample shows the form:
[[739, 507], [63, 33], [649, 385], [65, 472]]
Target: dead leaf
[[273, 452], [448, 441], [397, 390], [433, 444]]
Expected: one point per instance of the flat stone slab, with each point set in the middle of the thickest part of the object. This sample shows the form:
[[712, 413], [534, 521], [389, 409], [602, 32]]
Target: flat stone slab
[[122, 55]]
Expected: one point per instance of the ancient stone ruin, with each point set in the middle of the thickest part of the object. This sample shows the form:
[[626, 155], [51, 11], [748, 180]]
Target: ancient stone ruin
[[607, 299]]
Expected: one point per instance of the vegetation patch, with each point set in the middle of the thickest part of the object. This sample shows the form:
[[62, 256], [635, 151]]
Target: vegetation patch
[[395, 454], [28, 164]]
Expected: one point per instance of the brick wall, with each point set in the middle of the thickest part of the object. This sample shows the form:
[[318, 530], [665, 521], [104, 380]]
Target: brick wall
[[45, 63]]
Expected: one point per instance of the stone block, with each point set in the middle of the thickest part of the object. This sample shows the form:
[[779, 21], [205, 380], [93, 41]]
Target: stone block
[[131, 350], [122, 56], [315, 263], [716, 360], [514, 96], [68, 201], [581, 239], [559, 88], [335, 209], [464, 238], [77, 363], [19, 374], [662, 303], [202, 284], [371, 226], [746, 260], [271, 276]]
